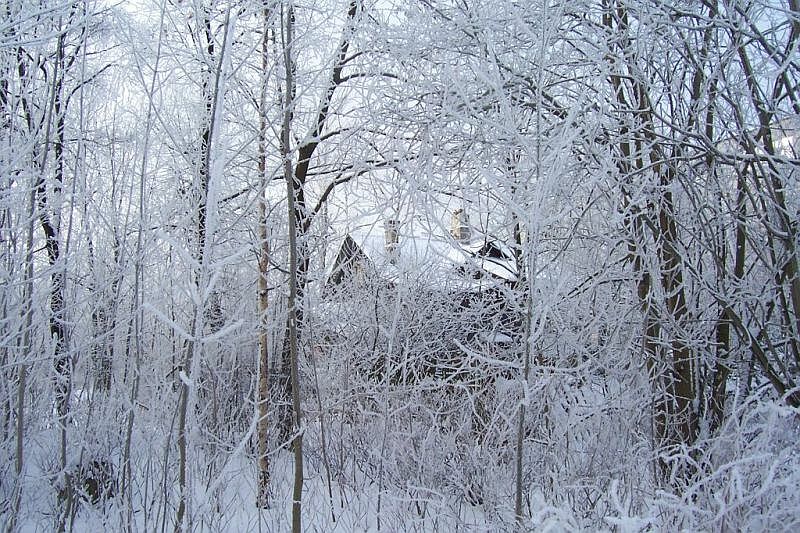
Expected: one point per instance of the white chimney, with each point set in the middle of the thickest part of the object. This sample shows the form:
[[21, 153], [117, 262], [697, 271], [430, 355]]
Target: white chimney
[[391, 239], [459, 226]]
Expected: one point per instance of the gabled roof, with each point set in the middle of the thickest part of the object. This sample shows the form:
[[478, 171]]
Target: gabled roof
[[431, 259], [349, 252]]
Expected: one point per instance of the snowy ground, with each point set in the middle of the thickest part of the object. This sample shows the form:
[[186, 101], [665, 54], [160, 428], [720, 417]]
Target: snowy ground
[[387, 476]]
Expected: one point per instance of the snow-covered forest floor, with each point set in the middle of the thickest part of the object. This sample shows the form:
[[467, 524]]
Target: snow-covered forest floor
[[394, 466]]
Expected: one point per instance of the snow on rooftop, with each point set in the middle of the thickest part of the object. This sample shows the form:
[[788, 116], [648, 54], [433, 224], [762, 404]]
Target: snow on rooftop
[[436, 259]]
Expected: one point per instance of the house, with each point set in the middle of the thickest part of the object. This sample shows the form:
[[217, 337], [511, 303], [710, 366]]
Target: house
[[463, 260], [450, 299]]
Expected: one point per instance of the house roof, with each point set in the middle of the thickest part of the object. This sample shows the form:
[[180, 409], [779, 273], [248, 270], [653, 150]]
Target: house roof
[[431, 259]]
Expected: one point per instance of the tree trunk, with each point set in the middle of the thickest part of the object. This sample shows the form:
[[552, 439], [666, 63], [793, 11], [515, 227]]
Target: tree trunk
[[671, 363], [262, 499], [302, 216], [288, 176], [211, 90]]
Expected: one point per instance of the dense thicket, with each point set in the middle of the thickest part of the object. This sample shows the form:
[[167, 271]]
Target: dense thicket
[[178, 184]]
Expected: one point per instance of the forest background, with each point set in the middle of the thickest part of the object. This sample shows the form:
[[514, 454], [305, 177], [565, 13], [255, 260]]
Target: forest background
[[176, 178]]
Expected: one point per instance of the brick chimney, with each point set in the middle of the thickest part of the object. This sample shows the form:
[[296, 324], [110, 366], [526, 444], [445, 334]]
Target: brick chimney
[[459, 226]]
